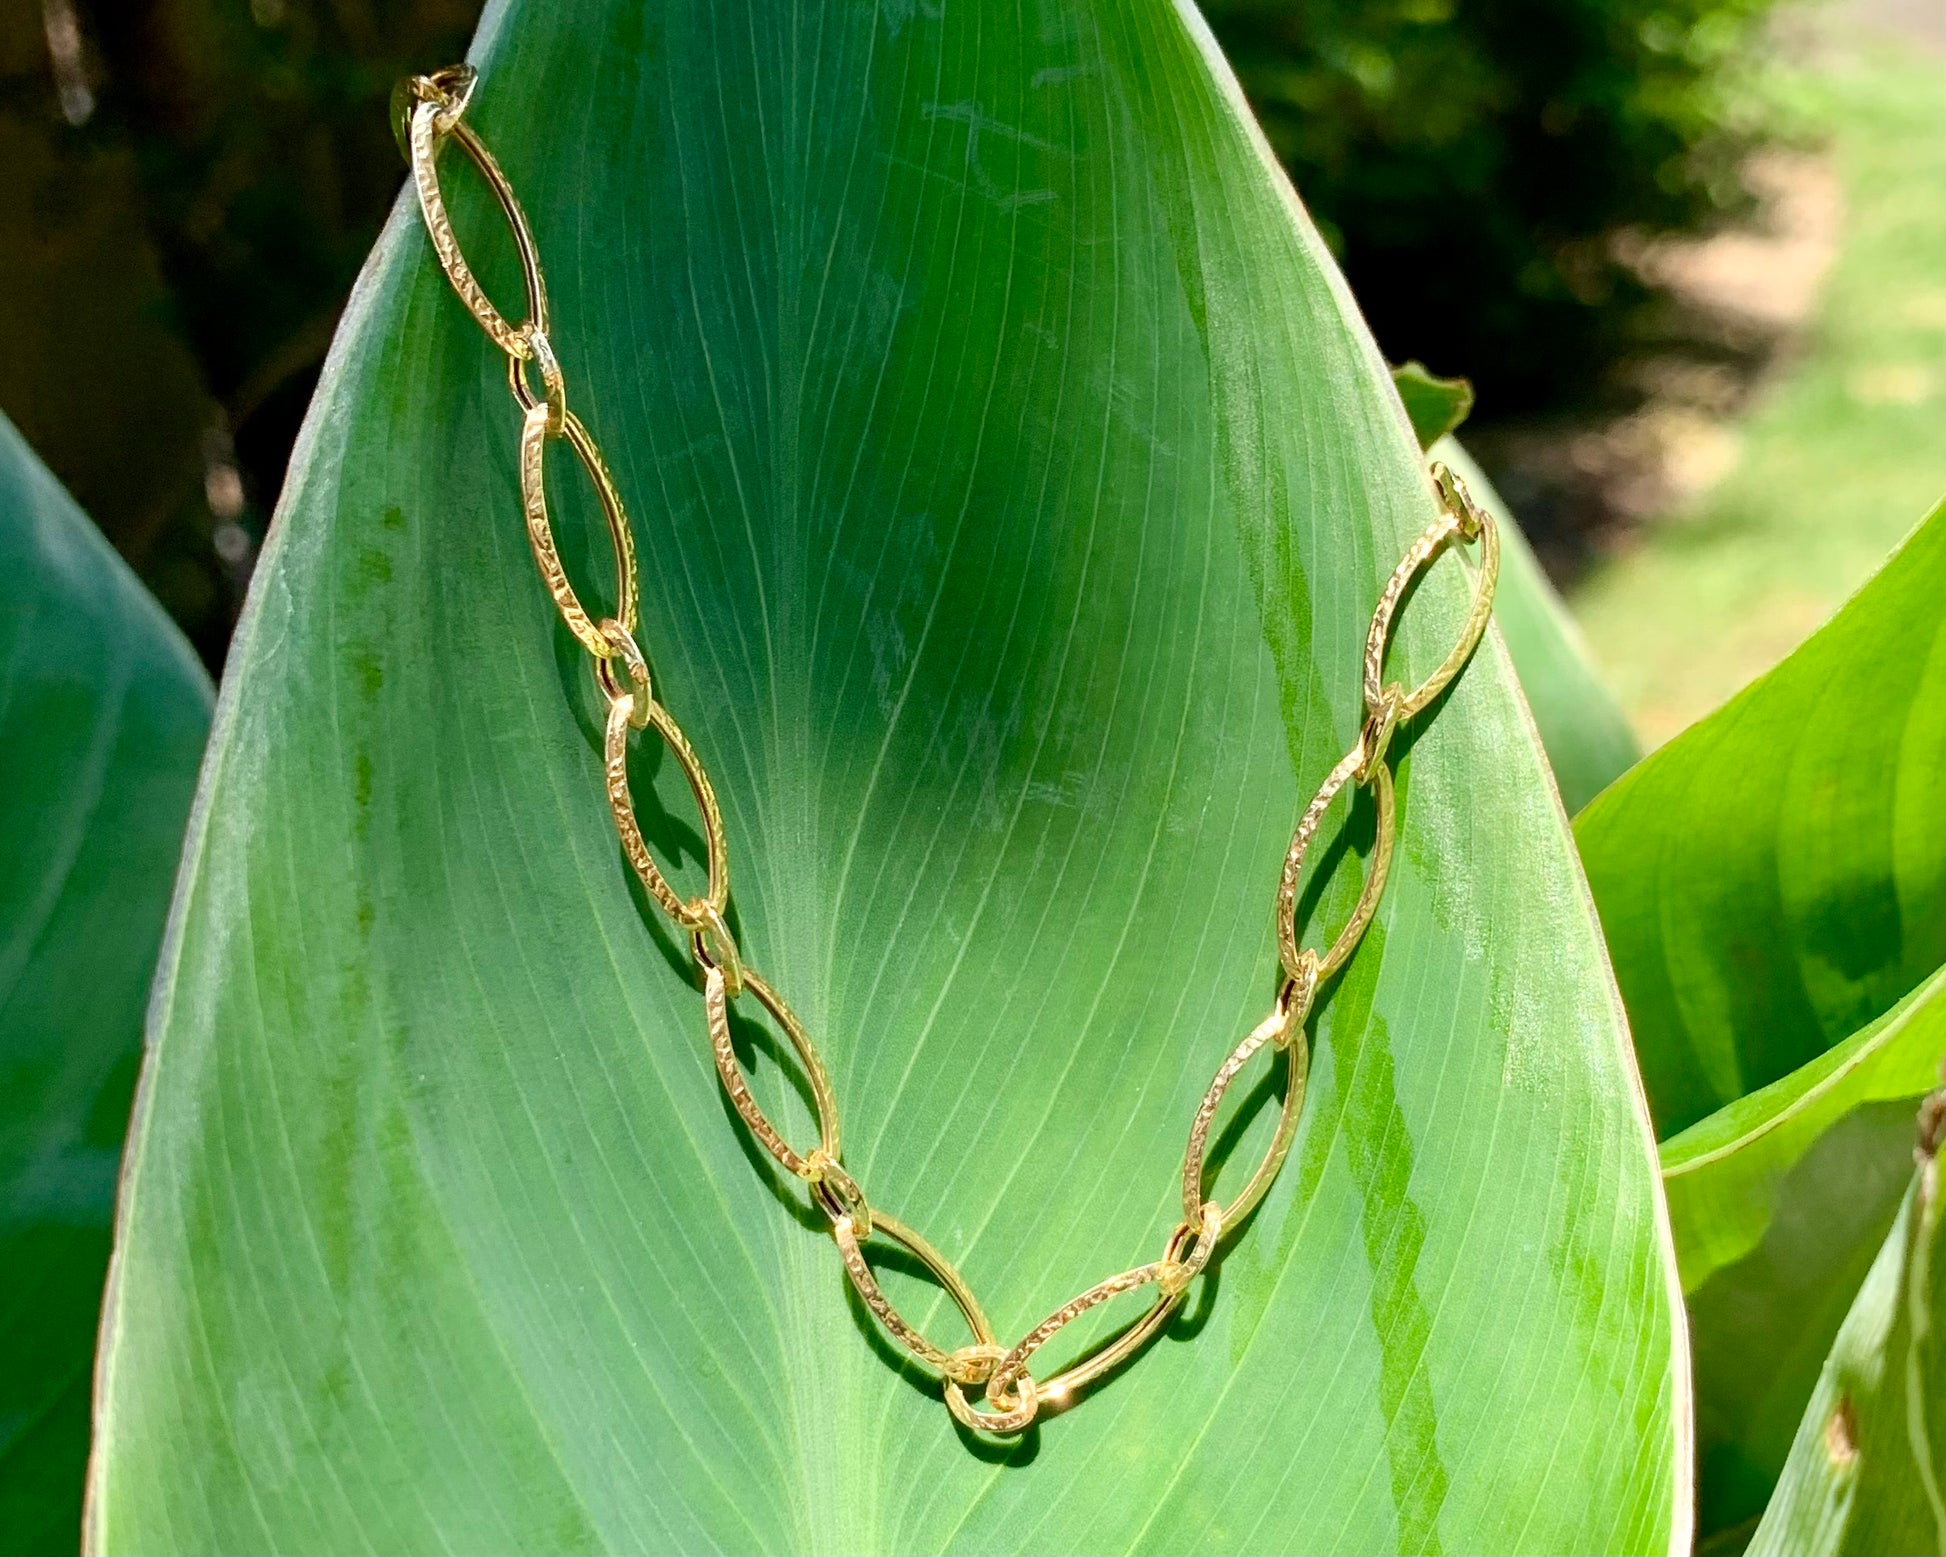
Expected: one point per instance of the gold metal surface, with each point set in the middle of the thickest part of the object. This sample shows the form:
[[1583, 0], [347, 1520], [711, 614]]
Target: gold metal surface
[[716, 1012], [1273, 1033], [942, 1270], [540, 531], [704, 913], [432, 109], [435, 119]]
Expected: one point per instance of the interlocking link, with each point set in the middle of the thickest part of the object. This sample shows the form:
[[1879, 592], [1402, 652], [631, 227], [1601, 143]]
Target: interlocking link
[[1013, 1410], [625, 651], [703, 915], [431, 112], [534, 438], [716, 1012], [554, 387], [1191, 1247], [1275, 1032], [715, 947], [849, 1240], [441, 98]]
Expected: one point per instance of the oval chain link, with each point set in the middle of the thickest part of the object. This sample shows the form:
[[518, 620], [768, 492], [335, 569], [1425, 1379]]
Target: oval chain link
[[1013, 1399], [441, 99], [820, 1163], [703, 915], [534, 438], [850, 1250]]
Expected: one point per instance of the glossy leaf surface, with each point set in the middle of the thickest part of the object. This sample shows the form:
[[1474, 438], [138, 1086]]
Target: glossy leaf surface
[[1775, 878], [1868, 1465], [1014, 482], [1779, 1203], [103, 713]]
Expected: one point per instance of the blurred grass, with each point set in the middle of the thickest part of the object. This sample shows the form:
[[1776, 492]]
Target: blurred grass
[[1839, 456]]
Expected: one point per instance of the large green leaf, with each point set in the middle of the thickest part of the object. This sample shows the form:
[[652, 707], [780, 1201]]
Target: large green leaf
[[1772, 883], [1779, 1203], [1014, 482], [1775, 878], [1868, 1465], [103, 713], [1587, 736]]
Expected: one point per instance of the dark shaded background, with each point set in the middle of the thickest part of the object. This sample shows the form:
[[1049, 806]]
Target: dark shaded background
[[187, 189]]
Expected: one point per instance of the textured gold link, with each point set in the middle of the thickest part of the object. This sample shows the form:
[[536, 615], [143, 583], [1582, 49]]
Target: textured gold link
[[554, 387], [534, 439], [435, 119], [1272, 1032], [1011, 1370], [431, 111], [942, 1270], [1375, 875], [716, 1010], [1458, 518], [692, 916]]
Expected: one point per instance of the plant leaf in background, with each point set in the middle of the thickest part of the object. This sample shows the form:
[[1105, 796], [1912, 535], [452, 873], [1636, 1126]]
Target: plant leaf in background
[[1435, 406], [1868, 1465], [1779, 1202], [103, 713], [1587, 736], [1776, 878], [1014, 483], [1773, 872]]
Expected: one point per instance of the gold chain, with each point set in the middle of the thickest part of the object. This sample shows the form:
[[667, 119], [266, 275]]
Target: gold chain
[[430, 111]]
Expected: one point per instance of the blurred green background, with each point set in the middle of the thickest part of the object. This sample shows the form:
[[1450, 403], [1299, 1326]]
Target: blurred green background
[[1692, 254]]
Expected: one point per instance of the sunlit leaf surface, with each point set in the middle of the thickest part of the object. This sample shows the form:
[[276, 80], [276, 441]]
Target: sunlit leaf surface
[[1014, 482], [1773, 886], [1775, 878]]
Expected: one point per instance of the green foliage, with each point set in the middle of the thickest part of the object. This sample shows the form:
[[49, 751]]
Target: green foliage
[[1771, 886], [1435, 406], [1016, 483], [103, 711], [1467, 162], [1867, 1468], [1776, 878], [1778, 1204], [1841, 450]]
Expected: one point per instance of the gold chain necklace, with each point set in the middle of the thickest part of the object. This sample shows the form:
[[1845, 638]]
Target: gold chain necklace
[[430, 110]]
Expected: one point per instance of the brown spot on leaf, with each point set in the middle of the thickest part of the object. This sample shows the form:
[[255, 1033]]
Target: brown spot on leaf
[[1841, 1434], [1932, 1124]]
